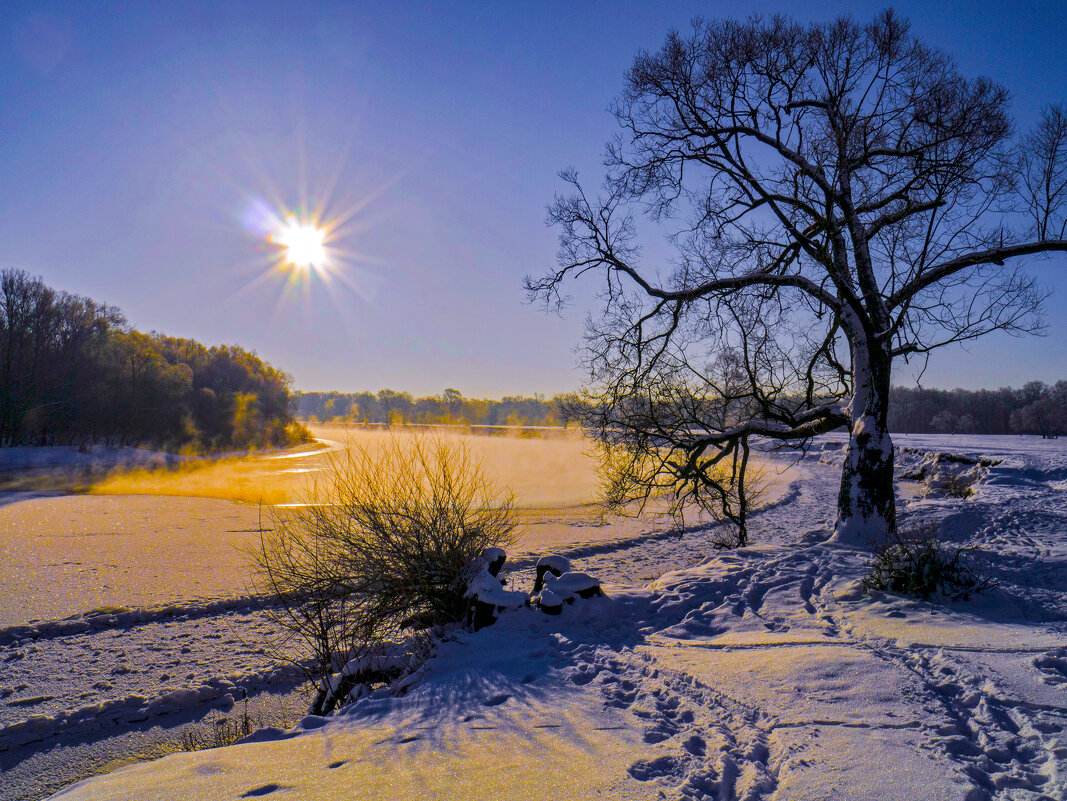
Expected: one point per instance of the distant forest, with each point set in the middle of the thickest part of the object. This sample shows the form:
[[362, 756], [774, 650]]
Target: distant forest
[[396, 408], [72, 372], [1036, 408]]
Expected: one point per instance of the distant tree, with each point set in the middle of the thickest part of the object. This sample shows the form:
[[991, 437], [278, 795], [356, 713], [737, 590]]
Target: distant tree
[[1045, 413], [395, 407], [52, 345], [839, 197], [945, 422], [454, 401], [921, 410], [392, 407]]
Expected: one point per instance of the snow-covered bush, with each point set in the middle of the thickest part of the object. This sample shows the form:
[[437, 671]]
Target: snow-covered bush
[[392, 663], [958, 486], [383, 546], [915, 562]]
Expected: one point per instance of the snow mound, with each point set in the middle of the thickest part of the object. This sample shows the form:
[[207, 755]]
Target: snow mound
[[134, 708], [488, 589], [943, 474], [572, 585], [556, 563]]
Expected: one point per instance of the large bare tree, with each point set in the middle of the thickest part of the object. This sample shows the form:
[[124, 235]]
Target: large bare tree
[[836, 197]]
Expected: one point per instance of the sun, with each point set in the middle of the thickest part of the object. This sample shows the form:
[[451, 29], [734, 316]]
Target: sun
[[304, 244]]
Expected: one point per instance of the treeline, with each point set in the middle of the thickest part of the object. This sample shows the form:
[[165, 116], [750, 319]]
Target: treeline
[[72, 372], [1036, 408], [450, 407]]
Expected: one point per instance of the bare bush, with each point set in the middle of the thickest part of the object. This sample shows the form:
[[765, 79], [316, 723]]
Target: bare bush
[[959, 486], [916, 562], [380, 550]]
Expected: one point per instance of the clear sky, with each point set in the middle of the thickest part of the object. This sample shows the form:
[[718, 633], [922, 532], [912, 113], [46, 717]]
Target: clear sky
[[138, 141]]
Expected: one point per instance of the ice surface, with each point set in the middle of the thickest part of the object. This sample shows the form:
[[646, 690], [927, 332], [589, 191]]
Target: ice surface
[[69, 555]]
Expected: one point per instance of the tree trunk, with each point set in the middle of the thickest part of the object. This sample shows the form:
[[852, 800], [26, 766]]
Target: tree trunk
[[866, 506]]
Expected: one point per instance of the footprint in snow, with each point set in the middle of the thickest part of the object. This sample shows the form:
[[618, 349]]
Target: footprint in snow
[[1053, 665], [696, 746], [582, 677], [266, 789], [497, 700], [647, 770]]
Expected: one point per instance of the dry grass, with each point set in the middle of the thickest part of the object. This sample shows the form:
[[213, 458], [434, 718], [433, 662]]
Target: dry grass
[[218, 732]]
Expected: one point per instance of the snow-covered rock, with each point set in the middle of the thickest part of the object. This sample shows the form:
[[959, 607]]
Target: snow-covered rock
[[553, 564], [556, 563], [487, 588], [494, 559], [489, 599], [569, 586], [549, 602]]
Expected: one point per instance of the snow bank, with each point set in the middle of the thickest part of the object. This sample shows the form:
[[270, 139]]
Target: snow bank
[[943, 473], [221, 691]]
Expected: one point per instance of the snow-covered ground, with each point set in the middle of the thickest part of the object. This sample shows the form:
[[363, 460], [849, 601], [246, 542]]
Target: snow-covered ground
[[762, 673]]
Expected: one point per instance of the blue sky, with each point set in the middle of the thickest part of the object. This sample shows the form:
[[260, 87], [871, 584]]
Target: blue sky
[[137, 139]]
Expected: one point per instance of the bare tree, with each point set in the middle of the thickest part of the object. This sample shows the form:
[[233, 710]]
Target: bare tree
[[836, 197]]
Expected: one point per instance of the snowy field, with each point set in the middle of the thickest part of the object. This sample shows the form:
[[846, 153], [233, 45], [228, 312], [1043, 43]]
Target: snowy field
[[763, 673]]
